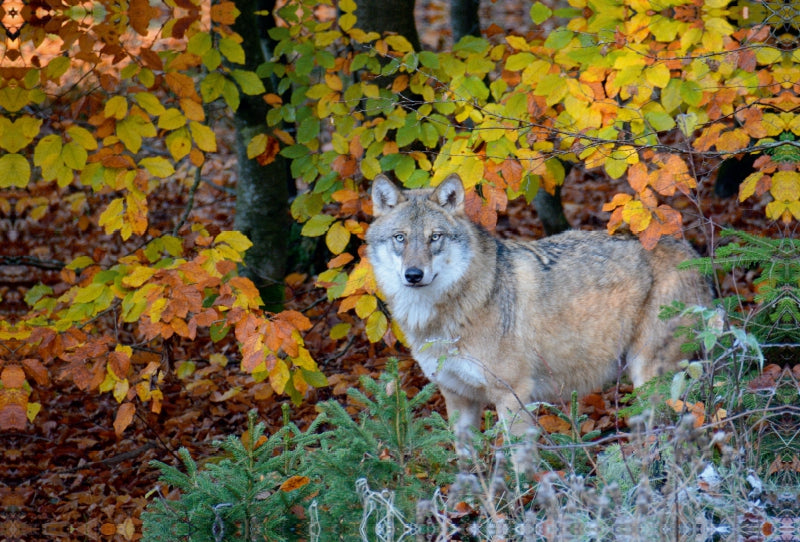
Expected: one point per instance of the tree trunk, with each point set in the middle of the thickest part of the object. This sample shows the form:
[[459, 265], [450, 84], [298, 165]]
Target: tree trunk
[[262, 198], [464, 18], [551, 211], [396, 16]]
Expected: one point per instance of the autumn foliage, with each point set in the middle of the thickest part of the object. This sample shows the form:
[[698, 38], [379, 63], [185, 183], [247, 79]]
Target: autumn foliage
[[106, 109]]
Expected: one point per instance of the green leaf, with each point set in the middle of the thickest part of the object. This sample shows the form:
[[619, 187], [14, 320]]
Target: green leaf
[[540, 13], [150, 103], [660, 121], [519, 61], [15, 170], [231, 50], [57, 67], [218, 331], [558, 39], [230, 92], [74, 155], [35, 293], [314, 378], [308, 130], [211, 86], [48, 151], [185, 369], [671, 95], [200, 43], [317, 225], [82, 137], [249, 82], [89, 293], [691, 92]]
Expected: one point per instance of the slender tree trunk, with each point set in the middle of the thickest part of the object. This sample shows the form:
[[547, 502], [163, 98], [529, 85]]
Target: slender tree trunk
[[393, 16], [262, 198], [464, 18]]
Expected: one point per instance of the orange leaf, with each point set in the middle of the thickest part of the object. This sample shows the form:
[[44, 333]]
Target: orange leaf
[[297, 319], [140, 13], [182, 85], [618, 200], [295, 482], [124, 417], [12, 377], [553, 424], [37, 371], [638, 176], [224, 13]]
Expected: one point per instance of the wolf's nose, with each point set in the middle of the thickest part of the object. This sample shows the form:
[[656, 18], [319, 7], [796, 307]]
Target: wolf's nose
[[414, 275]]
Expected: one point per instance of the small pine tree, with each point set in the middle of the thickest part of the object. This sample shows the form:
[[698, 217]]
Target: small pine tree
[[246, 494], [388, 445]]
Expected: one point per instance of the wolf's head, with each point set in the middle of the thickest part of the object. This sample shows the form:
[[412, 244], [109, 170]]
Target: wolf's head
[[420, 239]]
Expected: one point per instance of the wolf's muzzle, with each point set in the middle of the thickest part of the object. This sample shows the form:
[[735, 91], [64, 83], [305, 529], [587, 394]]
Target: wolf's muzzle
[[414, 275]]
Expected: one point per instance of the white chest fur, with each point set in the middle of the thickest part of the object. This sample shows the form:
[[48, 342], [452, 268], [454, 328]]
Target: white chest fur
[[450, 369]]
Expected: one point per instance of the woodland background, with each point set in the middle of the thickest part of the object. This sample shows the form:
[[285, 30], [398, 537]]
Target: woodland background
[[139, 139]]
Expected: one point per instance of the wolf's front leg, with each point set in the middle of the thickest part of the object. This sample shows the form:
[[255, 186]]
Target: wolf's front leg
[[465, 412]]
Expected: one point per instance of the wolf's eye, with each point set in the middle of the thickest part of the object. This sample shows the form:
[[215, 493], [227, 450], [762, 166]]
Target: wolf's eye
[[399, 237], [435, 237]]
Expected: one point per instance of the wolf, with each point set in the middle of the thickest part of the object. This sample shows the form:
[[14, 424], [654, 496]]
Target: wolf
[[505, 323]]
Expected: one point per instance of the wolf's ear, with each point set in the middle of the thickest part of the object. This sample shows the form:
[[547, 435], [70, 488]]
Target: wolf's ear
[[385, 195], [450, 194]]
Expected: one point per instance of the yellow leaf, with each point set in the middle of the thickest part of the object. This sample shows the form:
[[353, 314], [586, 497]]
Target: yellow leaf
[[733, 140], [171, 119], [305, 360], [617, 201], [347, 21], [121, 389], [82, 137], [279, 376], [786, 186], [377, 324], [366, 305], [518, 42], [257, 145], [116, 107], [748, 186], [139, 276], [32, 410], [234, 239], [203, 136], [399, 43], [657, 75], [636, 216], [337, 237]]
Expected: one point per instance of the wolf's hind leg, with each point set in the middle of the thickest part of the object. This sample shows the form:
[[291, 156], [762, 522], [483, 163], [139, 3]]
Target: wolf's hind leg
[[655, 352], [514, 415]]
